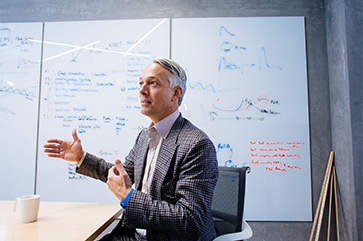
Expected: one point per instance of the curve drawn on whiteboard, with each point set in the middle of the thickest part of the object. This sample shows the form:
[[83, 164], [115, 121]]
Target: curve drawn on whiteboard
[[263, 55], [208, 87], [223, 62], [16, 91], [22, 63], [246, 104], [222, 28], [197, 110], [6, 110]]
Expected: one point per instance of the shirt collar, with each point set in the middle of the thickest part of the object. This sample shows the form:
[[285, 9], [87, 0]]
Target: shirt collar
[[164, 126]]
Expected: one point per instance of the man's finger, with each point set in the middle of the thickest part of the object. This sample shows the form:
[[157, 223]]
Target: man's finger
[[51, 146], [111, 171], [54, 141], [75, 136], [53, 155], [51, 151], [115, 171], [119, 166]]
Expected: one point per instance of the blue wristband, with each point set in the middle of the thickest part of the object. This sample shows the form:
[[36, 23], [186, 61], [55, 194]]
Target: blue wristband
[[126, 200]]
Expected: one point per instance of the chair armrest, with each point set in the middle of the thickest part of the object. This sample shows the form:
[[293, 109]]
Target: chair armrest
[[246, 233]]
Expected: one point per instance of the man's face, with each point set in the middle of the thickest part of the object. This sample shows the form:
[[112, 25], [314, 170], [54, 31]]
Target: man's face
[[156, 97]]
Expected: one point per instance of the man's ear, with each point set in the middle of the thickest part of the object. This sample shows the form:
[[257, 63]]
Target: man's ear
[[177, 92]]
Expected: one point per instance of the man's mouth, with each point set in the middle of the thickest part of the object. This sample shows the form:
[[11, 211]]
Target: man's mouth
[[145, 102]]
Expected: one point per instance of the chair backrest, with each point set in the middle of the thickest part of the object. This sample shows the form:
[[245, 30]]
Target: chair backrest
[[228, 199]]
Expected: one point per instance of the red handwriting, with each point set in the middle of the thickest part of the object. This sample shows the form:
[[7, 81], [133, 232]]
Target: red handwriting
[[292, 167], [258, 162], [276, 169], [275, 155], [293, 144], [270, 149]]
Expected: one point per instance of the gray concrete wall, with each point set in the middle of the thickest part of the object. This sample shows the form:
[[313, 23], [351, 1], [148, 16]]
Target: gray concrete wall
[[344, 35], [319, 87], [354, 32]]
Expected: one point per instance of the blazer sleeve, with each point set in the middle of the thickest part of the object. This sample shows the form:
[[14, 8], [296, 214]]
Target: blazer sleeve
[[97, 168]]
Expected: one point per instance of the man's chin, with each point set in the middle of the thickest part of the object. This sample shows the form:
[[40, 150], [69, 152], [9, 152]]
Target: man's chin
[[144, 111]]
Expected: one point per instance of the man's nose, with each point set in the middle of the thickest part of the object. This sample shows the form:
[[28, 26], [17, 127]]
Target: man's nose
[[143, 90]]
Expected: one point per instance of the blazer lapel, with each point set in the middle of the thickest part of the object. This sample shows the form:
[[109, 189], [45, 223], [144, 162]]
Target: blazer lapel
[[165, 157], [140, 163]]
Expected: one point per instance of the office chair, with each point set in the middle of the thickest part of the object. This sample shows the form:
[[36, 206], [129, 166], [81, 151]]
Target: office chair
[[228, 204]]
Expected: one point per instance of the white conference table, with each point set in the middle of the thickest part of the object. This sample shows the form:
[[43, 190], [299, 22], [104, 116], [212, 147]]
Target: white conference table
[[58, 221]]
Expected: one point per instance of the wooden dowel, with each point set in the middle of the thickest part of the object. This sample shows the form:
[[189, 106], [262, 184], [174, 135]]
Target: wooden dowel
[[323, 189], [322, 209], [336, 202], [330, 204]]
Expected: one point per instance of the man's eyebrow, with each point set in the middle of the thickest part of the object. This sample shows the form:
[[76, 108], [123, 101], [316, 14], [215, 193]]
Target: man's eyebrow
[[149, 77]]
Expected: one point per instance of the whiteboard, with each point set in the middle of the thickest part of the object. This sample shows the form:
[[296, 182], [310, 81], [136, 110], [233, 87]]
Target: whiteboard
[[19, 98], [248, 91], [89, 83]]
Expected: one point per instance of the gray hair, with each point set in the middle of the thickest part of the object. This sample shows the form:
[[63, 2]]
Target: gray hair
[[177, 75]]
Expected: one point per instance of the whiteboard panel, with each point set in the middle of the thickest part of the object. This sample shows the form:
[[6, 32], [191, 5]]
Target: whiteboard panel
[[248, 91], [89, 83], [19, 98]]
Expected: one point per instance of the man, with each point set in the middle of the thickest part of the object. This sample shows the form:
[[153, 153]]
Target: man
[[172, 163]]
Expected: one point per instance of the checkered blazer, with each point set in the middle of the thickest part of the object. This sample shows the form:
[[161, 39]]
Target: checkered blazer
[[181, 193]]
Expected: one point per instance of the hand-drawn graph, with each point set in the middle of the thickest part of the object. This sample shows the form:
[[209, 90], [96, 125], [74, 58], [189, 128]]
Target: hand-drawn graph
[[19, 95], [247, 84], [11, 90]]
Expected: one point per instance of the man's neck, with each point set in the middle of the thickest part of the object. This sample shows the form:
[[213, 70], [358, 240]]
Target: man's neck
[[153, 121]]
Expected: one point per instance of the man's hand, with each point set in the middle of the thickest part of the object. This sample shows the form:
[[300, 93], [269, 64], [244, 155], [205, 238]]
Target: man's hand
[[67, 150], [118, 181]]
